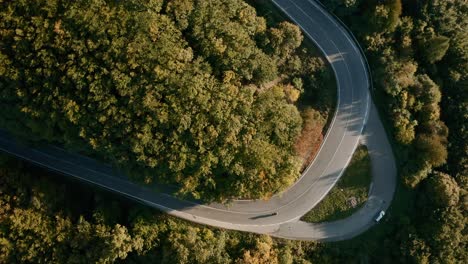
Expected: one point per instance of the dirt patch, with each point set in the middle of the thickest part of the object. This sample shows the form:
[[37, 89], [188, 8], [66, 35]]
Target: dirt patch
[[308, 143], [272, 83]]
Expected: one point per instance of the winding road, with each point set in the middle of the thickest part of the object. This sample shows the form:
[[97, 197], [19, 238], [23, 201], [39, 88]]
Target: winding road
[[356, 120]]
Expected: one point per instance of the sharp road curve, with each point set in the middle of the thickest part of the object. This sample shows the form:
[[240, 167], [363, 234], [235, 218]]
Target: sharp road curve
[[355, 120]]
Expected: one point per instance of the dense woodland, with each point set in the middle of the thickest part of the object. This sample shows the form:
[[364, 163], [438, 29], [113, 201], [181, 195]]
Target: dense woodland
[[197, 93], [46, 220], [418, 55], [418, 52]]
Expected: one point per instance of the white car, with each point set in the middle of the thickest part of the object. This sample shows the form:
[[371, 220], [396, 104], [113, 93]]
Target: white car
[[379, 216]]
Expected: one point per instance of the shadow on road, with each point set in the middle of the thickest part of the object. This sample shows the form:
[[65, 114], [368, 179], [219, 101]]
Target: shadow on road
[[262, 216]]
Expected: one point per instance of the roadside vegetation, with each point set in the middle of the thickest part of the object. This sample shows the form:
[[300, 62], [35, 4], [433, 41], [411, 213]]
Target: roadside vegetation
[[348, 195], [309, 141], [206, 95], [46, 218], [419, 60]]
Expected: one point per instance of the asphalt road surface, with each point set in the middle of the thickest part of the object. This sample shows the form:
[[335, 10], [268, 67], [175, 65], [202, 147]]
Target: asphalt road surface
[[354, 112]]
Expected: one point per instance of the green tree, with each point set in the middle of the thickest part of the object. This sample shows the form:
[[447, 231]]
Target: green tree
[[284, 40], [180, 11], [190, 244], [385, 16], [434, 48], [418, 251], [443, 190], [262, 252], [431, 150], [178, 89]]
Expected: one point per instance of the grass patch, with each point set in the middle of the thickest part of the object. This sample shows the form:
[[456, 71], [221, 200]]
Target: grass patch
[[354, 183]]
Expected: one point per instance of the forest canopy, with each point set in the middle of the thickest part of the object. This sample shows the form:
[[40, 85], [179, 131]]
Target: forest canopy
[[419, 61], [418, 55], [187, 92]]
